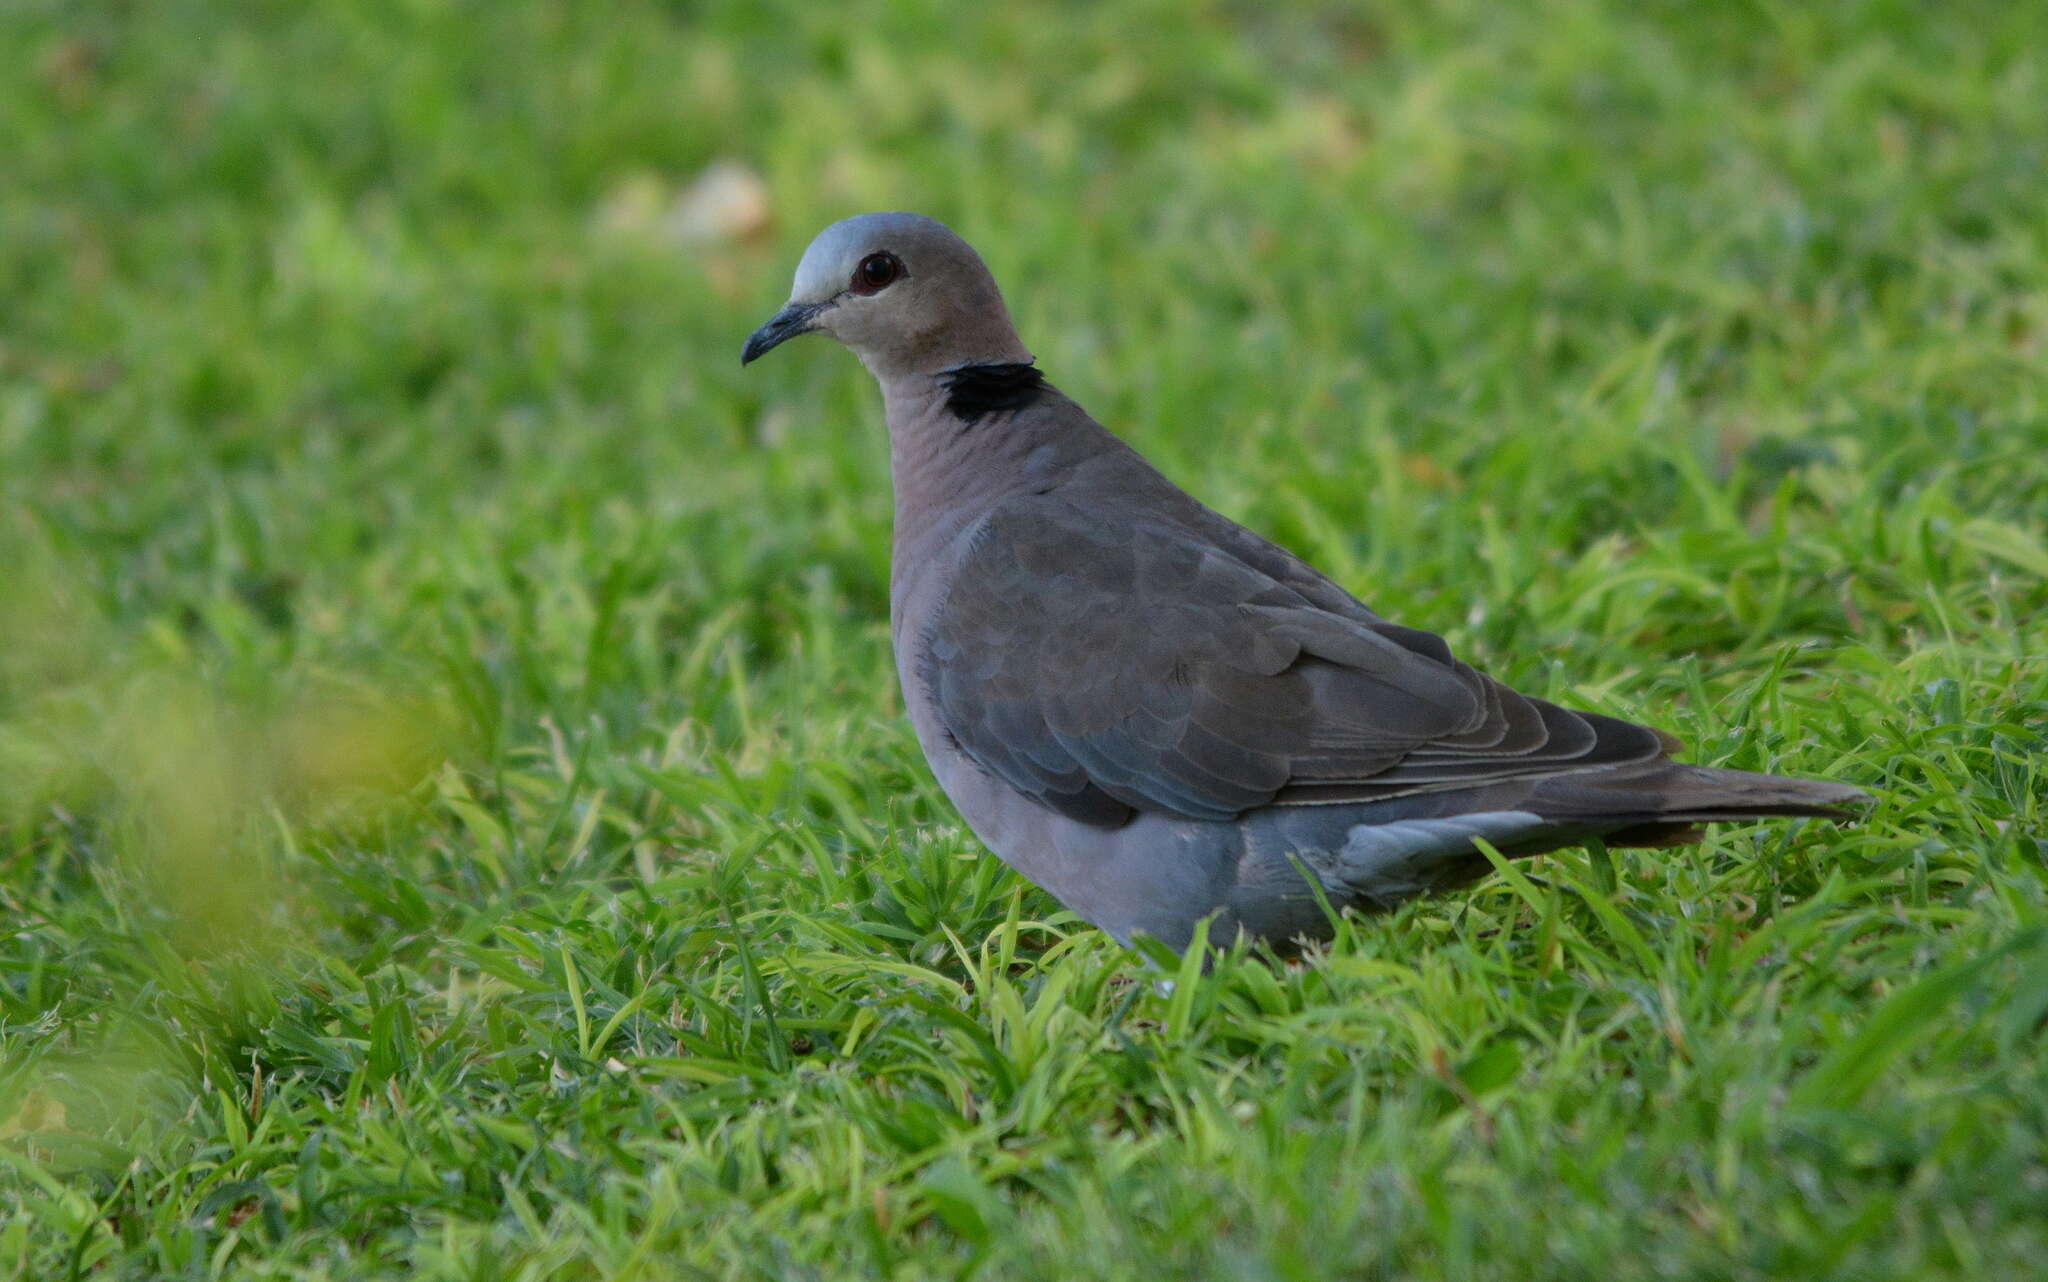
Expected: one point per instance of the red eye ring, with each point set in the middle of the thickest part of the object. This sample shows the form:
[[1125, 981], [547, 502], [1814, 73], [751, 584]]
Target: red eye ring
[[876, 273]]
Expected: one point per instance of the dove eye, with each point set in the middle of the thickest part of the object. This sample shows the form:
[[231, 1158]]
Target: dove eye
[[876, 273]]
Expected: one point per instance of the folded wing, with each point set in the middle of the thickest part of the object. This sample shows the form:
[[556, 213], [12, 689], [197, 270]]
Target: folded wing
[[1145, 667]]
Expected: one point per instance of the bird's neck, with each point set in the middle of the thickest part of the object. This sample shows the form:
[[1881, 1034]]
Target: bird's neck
[[955, 456]]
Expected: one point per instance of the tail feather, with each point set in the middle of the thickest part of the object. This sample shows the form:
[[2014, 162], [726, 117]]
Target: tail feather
[[1668, 794]]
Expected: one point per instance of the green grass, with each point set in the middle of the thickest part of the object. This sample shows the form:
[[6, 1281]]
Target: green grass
[[455, 815]]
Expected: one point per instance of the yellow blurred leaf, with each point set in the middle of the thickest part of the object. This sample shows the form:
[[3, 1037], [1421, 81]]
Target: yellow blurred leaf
[[40, 1112]]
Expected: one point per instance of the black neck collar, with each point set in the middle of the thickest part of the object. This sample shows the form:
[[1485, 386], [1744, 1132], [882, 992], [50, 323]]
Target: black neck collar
[[978, 389]]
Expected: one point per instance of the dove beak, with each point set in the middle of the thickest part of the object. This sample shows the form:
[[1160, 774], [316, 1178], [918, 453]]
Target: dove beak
[[796, 318]]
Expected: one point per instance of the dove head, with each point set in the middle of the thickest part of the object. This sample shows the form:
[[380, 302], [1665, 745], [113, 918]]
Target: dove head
[[901, 290]]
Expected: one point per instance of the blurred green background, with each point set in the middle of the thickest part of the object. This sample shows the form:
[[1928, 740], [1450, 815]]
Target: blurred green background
[[455, 818]]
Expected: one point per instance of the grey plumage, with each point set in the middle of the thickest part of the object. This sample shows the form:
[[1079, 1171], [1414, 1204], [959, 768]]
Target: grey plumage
[[1157, 714]]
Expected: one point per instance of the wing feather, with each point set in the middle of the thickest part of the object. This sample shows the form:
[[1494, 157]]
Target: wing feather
[[1154, 666]]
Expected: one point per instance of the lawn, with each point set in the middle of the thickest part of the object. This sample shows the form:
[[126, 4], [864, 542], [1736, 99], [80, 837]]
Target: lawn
[[456, 817]]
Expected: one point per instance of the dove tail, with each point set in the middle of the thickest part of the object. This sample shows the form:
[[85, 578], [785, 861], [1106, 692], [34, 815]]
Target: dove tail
[[1662, 805]]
